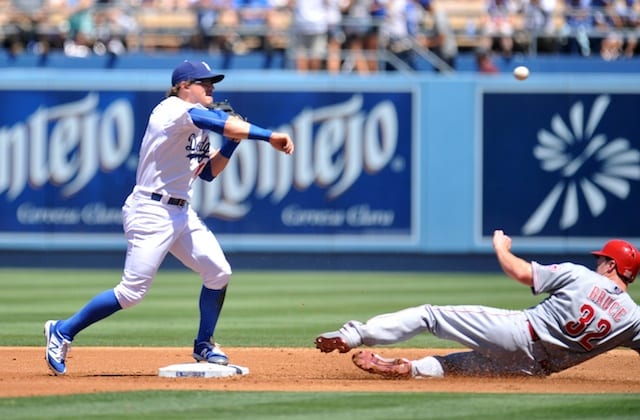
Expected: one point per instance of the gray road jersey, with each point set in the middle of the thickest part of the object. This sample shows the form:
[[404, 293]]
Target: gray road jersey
[[586, 314]]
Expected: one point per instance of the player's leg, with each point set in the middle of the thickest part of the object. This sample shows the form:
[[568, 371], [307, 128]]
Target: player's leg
[[147, 247], [382, 329], [150, 228], [198, 249], [137, 277], [499, 337], [476, 327], [59, 334]]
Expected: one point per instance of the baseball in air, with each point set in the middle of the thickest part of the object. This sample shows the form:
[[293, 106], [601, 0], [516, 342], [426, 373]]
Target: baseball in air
[[521, 72]]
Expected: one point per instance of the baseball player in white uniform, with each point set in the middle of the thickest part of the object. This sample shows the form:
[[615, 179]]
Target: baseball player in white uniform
[[586, 313], [157, 218]]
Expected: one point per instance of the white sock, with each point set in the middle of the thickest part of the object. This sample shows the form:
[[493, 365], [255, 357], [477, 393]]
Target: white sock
[[427, 367]]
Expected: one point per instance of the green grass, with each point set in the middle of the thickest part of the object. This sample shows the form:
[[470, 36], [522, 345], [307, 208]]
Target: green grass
[[262, 308], [273, 309], [311, 406]]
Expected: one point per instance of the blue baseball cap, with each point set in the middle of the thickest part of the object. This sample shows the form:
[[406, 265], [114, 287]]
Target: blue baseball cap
[[188, 70]]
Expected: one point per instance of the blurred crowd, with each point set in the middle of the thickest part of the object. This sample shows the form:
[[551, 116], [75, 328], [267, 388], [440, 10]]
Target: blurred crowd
[[77, 27], [606, 27], [330, 35]]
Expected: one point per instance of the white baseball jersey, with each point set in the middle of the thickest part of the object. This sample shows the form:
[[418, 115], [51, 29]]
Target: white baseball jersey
[[174, 150]]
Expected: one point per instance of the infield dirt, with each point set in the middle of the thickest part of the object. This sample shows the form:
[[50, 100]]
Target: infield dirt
[[107, 369]]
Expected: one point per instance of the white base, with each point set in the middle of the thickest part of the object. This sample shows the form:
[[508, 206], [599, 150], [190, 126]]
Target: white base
[[201, 370]]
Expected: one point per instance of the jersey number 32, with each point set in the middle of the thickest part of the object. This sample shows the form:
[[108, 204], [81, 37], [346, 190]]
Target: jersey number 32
[[577, 328]]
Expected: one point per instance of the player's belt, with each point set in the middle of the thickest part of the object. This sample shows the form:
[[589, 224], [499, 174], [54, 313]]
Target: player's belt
[[532, 332], [173, 201]]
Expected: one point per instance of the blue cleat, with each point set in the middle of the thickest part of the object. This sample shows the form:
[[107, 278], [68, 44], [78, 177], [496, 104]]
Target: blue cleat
[[57, 348], [206, 351]]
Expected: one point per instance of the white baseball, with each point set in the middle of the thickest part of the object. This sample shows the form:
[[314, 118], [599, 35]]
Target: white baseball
[[521, 72]]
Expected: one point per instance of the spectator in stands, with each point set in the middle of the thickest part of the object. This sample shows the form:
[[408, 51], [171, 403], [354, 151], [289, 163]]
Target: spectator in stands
[[361, 29], [114, 20], [540, 26], [10, 32], [240, 26], [439, 37], [579, 24], [253, 20], [630, 17], [6, 23], [498, 25], [81, 34], [335, 36], [206, 16], [398, 31], [218, 22], [604, 22], [484, 61], [309, 30], [611, 46], [278, 22], [617, 22], [23, 24]]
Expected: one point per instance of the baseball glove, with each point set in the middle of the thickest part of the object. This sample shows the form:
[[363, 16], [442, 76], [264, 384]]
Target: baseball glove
[[226, 107]]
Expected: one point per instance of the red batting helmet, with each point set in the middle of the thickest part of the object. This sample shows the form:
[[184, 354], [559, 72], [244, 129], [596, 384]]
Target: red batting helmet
[[625, 255]]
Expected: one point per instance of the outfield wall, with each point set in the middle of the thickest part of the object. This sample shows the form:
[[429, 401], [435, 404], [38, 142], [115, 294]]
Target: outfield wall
[[409, 164]]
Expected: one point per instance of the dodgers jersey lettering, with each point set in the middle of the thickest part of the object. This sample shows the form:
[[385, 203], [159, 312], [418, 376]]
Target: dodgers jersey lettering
[[585, 315], [171, 134]]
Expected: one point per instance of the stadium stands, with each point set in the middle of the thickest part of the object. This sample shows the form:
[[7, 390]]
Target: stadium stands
[[145, 30]]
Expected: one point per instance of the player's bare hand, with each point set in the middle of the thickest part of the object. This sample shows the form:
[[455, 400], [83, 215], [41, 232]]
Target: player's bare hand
[[501, 241], [281, 142]]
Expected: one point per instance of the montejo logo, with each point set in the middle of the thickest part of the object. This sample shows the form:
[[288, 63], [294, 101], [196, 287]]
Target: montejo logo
[[591, 168]]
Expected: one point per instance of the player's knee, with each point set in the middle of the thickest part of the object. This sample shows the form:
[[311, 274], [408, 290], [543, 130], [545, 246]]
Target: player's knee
[[217, 279], [128, 297], [130, 292]]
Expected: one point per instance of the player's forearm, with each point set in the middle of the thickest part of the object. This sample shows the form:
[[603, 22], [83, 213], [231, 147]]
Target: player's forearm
[[236, 128]]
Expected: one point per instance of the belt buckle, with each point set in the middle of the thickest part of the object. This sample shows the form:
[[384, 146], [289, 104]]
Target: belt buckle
[[177, 201]]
